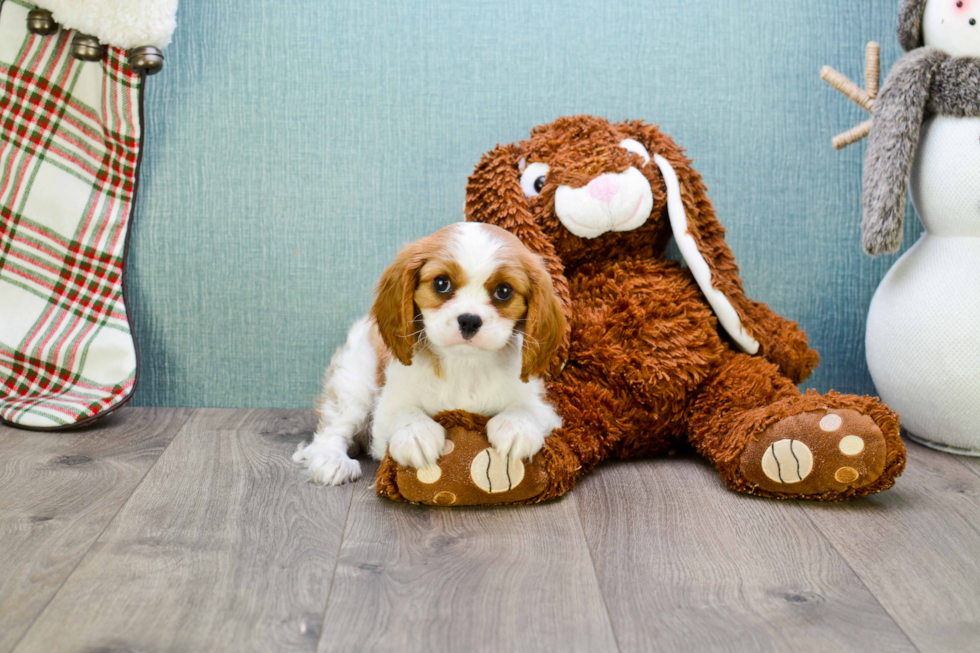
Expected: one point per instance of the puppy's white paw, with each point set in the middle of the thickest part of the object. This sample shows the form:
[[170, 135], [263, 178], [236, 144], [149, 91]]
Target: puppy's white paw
[[418, 443], [327, 465], [515, 435]]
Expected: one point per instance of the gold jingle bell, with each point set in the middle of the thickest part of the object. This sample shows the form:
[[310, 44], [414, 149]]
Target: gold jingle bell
[[146, 60], [86, 48], [41, 22]]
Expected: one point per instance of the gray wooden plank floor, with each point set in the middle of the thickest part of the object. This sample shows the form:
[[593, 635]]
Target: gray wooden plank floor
[[222, 547], [58, 492], [722, 572], [470, 579], [971, 462], [917, 548], [176, 530]]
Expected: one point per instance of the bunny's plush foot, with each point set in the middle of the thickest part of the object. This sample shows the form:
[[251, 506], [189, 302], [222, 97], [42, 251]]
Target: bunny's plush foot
[[469, 472], [828, 447], [831, 451], [768, 439]]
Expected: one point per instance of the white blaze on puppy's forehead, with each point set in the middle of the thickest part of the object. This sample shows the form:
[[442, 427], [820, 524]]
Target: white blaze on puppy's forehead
[[478, 251]]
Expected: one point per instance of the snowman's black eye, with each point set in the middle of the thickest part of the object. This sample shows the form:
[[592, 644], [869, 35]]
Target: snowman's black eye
[[960, 3], [442, 284], [973, 21], [539, 184]]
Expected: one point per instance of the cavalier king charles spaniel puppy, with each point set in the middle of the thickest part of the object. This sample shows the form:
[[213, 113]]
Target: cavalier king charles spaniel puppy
[[464, 319]]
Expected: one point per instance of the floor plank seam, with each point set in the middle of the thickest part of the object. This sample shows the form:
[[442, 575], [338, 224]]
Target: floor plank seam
[[843, 559], [974, 527], [973, 468], [336, 563], [96, 539], [595, 575]]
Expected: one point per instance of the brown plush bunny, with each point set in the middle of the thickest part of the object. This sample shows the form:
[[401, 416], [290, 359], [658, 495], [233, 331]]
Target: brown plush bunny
[[657, 354]]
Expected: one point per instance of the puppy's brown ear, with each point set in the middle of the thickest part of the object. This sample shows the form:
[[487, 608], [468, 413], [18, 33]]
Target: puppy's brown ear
[[394, 307], [545, 325], [494, 196]]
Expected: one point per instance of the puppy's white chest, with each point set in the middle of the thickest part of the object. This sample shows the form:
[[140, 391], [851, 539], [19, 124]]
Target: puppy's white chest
[[484, 386], [483, 391]]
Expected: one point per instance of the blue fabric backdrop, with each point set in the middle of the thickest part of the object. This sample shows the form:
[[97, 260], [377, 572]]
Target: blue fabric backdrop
[[292, 147]]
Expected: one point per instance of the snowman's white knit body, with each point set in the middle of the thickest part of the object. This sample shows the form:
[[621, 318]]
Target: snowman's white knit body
[[923, 333]]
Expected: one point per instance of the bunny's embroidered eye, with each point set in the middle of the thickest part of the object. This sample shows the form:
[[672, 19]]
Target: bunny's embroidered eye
[[533, 179], [635, 147], [442, 284]]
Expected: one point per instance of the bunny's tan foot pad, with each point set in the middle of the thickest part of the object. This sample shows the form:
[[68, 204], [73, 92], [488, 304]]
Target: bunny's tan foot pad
[[469, 473], [816, 454]]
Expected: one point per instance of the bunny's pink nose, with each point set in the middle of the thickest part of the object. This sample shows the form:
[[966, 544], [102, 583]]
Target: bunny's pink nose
[[604, 187]]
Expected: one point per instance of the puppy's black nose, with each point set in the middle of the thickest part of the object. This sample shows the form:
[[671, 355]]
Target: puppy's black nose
[[469, 324]]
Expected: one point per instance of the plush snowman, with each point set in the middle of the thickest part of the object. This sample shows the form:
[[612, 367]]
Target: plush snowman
[[923, 333]]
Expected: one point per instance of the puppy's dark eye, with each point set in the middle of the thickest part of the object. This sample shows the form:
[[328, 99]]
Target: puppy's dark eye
[[442, 285], [503, 292], [539, 184]]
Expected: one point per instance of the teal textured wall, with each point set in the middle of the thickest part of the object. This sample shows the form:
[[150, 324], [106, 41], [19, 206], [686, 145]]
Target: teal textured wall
[[292, 147]]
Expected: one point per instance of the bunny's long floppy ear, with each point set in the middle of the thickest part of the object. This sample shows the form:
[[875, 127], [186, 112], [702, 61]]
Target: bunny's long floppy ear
[[691, 251], [701, 238], [494, 196]]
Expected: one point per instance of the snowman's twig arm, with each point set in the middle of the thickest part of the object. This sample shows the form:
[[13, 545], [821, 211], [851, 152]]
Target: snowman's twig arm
[[872, 68], [863, 97], [854, 93], [897, 120], [852, 135]]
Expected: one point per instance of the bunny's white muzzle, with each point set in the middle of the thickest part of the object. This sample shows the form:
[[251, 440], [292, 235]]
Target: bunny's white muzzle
[[610, 202]]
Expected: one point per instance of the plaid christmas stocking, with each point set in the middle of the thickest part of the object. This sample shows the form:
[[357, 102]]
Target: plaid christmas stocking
[[70, 145]]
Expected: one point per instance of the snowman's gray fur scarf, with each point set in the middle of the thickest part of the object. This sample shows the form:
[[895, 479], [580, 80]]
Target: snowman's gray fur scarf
[[910, 24], [924, 82]]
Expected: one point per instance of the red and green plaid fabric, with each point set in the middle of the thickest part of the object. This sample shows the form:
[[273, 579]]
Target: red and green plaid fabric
[[69, 155]]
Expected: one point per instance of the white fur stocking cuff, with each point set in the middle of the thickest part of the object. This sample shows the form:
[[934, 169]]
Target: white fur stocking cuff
[[122, 23]]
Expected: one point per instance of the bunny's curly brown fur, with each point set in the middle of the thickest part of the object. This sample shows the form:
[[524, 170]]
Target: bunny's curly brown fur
[[644, 365]]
